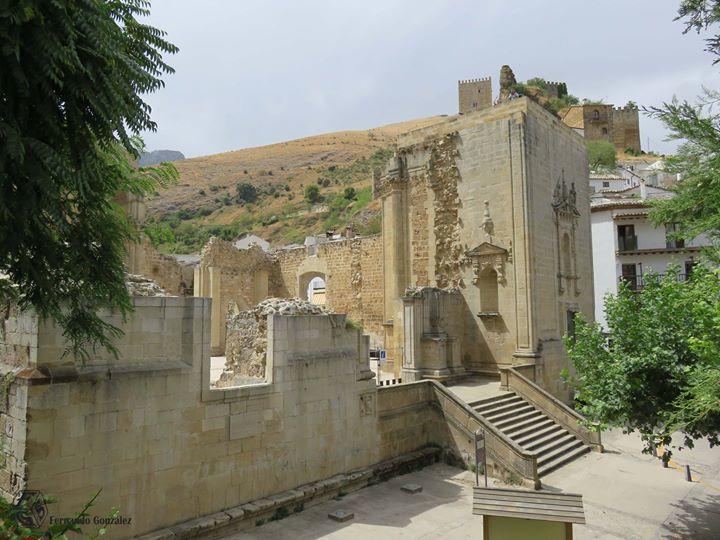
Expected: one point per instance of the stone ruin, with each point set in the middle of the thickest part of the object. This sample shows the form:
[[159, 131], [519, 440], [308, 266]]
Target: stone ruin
[[246, 347], [141, 286]]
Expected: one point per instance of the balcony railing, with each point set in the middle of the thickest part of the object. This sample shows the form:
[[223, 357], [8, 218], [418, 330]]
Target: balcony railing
[[637, 283]]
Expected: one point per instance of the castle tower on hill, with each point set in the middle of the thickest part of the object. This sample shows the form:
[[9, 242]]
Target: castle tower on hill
[[474, 95], [619, 125]]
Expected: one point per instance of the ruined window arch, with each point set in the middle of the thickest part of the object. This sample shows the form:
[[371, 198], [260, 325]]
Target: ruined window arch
[[308, 283], [488, 284], [316, 291], [596, 114]]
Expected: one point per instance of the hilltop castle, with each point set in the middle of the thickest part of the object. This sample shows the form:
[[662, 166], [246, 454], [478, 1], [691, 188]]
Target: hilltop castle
[[594, 121]]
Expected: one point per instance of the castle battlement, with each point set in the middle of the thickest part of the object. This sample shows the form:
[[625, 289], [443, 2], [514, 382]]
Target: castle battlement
[[472, 81]]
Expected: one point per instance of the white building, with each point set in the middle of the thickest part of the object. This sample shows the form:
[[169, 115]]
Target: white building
[[626, 245]]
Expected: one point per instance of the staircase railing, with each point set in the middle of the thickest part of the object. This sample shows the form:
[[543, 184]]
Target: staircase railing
[[505, 452], [511, 379]]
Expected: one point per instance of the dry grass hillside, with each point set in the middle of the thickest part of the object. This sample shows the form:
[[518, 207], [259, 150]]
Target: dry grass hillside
[[263, 190]]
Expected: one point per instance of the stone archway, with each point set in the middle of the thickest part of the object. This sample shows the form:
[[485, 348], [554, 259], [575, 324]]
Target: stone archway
[[312, 268]]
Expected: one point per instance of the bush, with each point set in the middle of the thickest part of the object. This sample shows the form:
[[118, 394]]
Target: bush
[[245, 192], [312, 194], [601, 154], [350, 193]]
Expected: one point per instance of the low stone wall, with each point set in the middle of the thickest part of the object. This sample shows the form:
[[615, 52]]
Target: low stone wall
[[164, 447]]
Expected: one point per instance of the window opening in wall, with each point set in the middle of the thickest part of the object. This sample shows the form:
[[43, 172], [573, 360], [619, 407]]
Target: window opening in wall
[[627, 241], [596, 115], [606, 184], [316, 291], [670, 242], [605, 131], [689, 265]]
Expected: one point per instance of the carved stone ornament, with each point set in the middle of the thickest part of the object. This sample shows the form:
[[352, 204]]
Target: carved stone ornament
[[488, 255], [564, 200], [367, 404]]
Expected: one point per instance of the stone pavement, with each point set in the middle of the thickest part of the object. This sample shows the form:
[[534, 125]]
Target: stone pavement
[[627, 495]]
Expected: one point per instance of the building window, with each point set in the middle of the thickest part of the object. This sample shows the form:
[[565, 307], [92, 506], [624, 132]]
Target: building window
[[474, 104], [632, 275], [627, 241], [606, 184], [670, 241], [596, 115], [605, 132]]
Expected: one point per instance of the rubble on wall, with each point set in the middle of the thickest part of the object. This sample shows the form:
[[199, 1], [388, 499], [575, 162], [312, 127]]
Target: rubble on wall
[[507, 81], [417, 292], [141, 286], [246, 346], [443, 177]]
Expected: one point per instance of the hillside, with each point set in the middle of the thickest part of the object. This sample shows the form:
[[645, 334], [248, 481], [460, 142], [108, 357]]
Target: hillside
[[262, 190]]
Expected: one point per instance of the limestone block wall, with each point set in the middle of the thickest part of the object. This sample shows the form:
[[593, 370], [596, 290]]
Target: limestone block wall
[[353, 273], [626, 128], [472, 204], [172, 276], [234, 279], [555, 156], [163, 445]]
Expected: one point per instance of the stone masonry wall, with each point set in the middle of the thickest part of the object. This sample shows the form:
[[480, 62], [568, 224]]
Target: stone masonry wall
[[166, 448], [353, 277]]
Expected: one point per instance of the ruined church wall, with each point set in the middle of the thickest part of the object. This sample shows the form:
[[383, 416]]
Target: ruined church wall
[[172, 276], [166, 448], [353, 274], [555, 153]]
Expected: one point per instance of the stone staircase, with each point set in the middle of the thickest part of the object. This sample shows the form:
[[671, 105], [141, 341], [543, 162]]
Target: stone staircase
[[532, 430]]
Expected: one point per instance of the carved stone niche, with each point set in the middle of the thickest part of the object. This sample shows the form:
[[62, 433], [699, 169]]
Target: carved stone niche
[[488, 255]]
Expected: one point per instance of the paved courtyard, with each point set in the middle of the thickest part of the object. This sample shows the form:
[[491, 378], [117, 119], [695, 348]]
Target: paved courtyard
[[627, 495]]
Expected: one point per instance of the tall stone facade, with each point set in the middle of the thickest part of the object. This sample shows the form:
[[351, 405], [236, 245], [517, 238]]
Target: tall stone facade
[[492, 209]]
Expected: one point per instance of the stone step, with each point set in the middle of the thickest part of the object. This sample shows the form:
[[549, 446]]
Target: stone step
[[532, 427], [508, 412], [562, 459], [558, 452], [500, 405], [552, 445], [512, 424], [536, 434], [494, 401]]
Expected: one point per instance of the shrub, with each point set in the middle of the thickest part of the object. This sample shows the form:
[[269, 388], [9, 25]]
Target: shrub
[[312, 194], [350, 193], [245, 192]]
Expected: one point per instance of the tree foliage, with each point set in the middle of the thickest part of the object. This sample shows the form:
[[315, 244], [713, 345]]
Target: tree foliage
[[245, 192], [73, 72], [312, 194], [696, 205], [659, 372], [601, 154]]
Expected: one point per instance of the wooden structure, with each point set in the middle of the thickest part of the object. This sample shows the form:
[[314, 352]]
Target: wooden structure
[[513, 514]]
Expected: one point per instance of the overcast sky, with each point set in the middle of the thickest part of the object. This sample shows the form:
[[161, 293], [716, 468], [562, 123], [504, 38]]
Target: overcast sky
[[254, 72]]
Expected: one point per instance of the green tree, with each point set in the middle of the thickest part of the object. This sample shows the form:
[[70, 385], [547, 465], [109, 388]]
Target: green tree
[[659, 372], [73, 73], [245, 192], [350, 194], [696, 205], [312, 194], [601, 154]]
